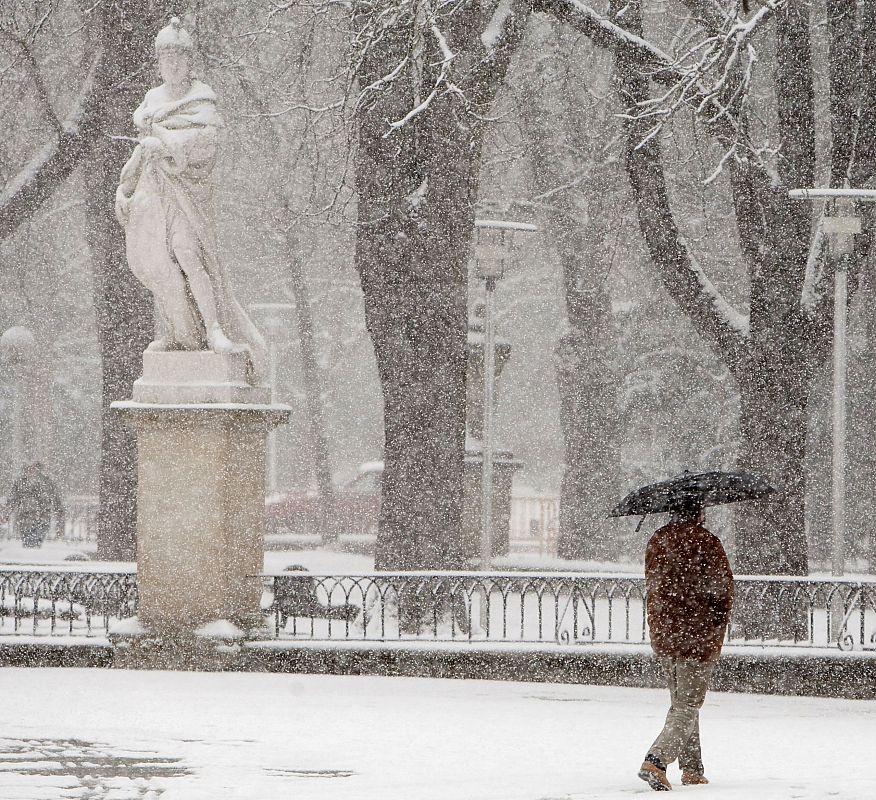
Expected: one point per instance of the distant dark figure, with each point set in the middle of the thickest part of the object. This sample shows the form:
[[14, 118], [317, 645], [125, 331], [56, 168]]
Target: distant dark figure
[[33, 500], [690, 596]]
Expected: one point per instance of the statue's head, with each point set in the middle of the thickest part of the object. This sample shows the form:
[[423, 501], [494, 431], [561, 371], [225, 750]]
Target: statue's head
[[173, 37], [174, 48]]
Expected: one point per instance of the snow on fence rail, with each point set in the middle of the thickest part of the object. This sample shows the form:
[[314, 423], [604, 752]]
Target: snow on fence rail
[[497, 609], [64, 603]]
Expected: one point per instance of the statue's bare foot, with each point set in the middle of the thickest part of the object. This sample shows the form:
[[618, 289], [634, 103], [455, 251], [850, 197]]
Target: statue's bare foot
[[218, 341]]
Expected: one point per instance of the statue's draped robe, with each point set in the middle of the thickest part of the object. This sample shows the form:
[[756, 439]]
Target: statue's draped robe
[[168, 197]]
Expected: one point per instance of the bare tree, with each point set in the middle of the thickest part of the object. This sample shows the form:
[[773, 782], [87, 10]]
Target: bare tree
[[124, 307], [289, 138], [299, 292], [567, 121], [116, 72], [427, 76], [773, 350], [64, 137]]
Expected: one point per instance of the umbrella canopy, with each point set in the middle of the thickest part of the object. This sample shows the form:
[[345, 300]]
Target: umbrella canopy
[[688, 489]]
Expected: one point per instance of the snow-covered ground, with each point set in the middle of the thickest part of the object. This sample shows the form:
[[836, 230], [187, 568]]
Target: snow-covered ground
[[54, 553], [322, 561], [120, 735]]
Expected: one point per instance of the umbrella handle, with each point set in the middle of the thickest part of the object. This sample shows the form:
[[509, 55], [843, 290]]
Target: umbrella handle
[[641, 523]]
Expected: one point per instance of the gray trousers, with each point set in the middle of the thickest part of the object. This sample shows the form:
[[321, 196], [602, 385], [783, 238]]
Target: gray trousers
[[687, 682]]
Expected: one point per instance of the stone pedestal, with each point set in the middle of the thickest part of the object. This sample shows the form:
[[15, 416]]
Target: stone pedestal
[[201, 434], [199, 377], [504, 467], [504, 463]]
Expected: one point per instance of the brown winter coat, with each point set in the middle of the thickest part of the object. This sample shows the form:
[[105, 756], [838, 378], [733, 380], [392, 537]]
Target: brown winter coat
[[690, 592]]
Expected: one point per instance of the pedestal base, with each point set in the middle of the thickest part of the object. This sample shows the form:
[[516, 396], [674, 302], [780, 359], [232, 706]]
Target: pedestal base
[[197, 377], [200, 510], [504, 467]]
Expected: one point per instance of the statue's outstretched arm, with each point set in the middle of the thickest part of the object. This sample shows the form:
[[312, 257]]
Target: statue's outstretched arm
[[128, 183]]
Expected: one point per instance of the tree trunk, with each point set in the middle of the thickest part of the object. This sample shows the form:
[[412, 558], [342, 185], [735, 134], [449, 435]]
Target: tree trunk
[[578, 222], [770, 534], [416, 190], [313, 391], [123, 306], [588, 418], [415, 312], [416, 315], [785, 349], [774, 360], [773, 419]]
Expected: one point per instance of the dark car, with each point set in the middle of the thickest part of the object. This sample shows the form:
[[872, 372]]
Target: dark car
[[357, 506], [357, 502]]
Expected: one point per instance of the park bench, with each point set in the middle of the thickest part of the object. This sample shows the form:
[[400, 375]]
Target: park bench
[[295, 596]]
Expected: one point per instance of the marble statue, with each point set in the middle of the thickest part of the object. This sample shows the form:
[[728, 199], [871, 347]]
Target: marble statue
[[164, 203]]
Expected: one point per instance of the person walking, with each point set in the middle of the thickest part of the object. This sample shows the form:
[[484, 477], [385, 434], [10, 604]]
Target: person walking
[[689, 587], [33, 499]]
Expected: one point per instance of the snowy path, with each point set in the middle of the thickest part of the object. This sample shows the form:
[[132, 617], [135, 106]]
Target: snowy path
[[118, 735]]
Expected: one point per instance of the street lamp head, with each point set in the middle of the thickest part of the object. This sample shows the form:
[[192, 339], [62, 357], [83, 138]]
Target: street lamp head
[[841, 224], [841, 220], [491, 249]]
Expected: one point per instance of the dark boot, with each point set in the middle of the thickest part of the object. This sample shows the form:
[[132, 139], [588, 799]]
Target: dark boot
[[653, 772]]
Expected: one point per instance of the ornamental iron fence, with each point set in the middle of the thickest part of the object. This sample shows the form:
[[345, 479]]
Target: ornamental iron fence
[[64, 603], [457, 607], [531, 608]]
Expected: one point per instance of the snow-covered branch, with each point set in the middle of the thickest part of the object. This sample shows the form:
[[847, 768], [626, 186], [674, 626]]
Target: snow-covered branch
[[716, 320], [382, 82], [495, 29], [54, 160], [442, 82], [712, 77], [296, 107], [500, 38], [26, 53], [424, 58], [606, 33], [725, 310], [423, 21]]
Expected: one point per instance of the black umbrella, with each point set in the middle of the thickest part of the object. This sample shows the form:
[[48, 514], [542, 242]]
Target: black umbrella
[[688, 489]]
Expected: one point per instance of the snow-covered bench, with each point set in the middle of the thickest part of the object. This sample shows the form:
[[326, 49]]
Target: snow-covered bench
[[296, 596]]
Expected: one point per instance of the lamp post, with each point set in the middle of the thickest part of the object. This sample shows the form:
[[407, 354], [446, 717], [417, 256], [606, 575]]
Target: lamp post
[[492, 244], [272, 317], [840, 224]]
